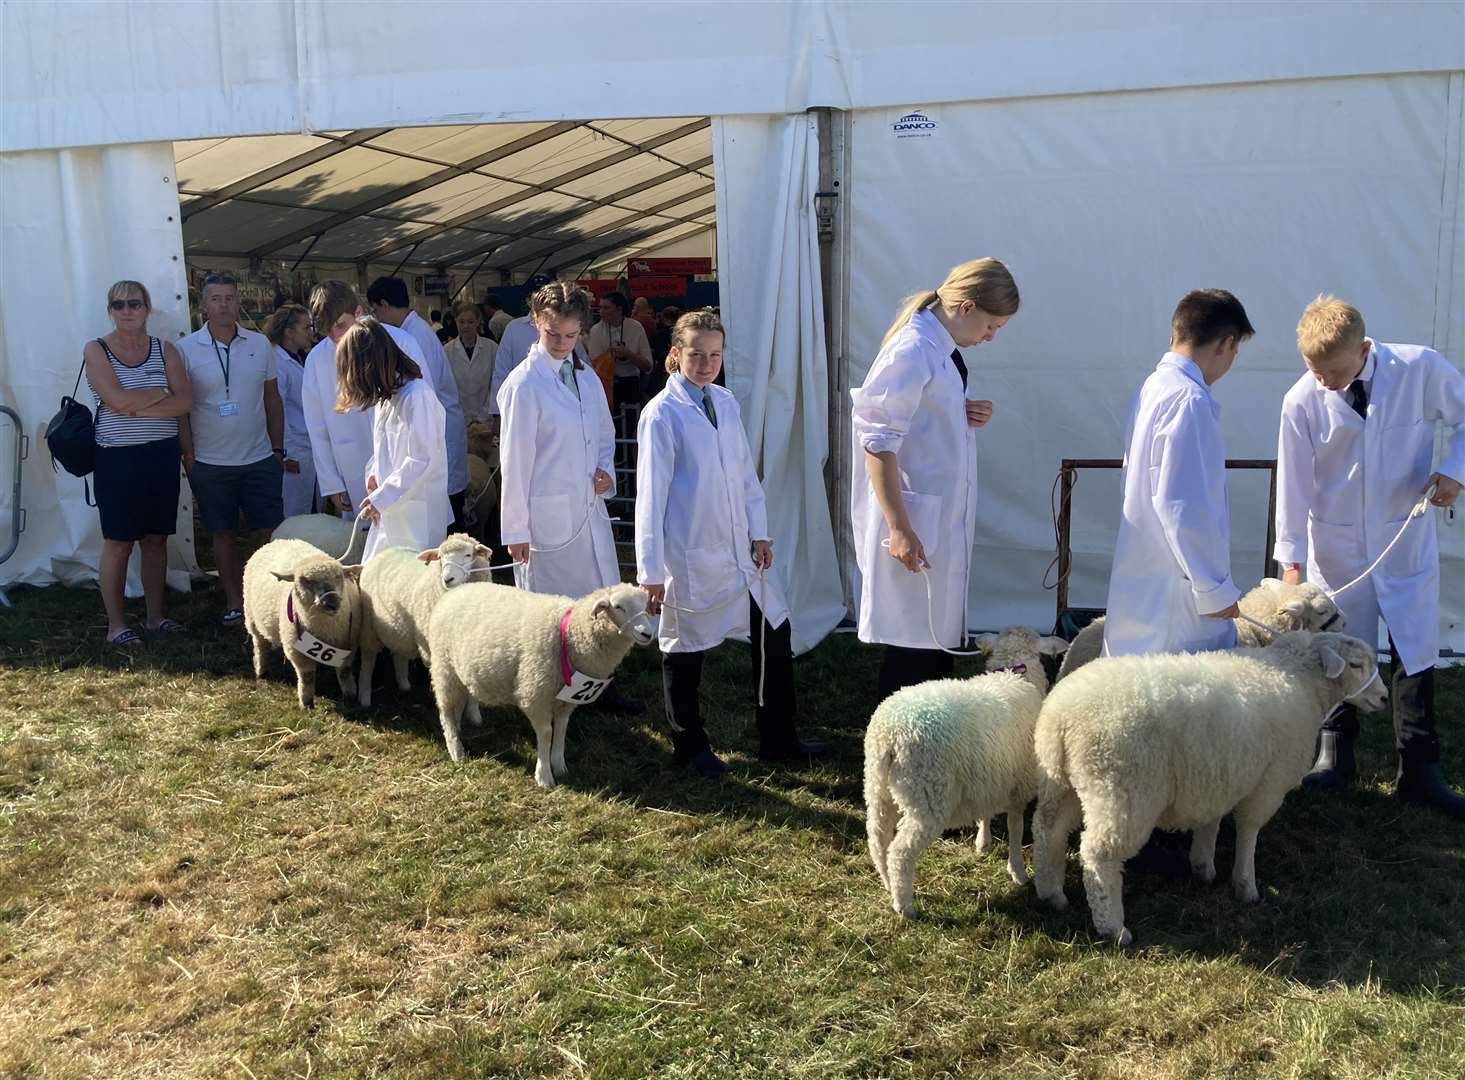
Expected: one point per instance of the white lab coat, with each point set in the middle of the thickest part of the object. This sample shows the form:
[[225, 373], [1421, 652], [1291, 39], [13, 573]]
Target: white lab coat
[[912, 402], [1346, 486], [699, 507], [341, 442], [297, 490], [549, 448], [520, 335], [474, 376], [1172, 559], [440, 375], [412, 475]]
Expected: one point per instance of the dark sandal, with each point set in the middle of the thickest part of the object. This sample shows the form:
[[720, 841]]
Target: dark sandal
[[168, 626], [127, 637]]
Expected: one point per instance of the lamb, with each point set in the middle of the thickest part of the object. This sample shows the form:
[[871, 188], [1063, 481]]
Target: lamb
[[402, 588], [1134, 743], [329, 533], [305, 601], [503, 646], [1273, 602], [953, 752]]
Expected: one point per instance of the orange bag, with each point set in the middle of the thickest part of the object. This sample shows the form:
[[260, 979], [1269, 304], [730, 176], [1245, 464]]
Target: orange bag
[[604, 365]]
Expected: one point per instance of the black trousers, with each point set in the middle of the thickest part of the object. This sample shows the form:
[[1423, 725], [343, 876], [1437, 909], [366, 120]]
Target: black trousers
[[456, 502], [902, 667], [681, 683], [1414, 719]]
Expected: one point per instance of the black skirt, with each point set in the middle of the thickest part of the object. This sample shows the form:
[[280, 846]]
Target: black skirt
[[136, 488]]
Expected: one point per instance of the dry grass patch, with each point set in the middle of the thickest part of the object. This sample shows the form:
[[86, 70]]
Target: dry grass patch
[[197, 879]]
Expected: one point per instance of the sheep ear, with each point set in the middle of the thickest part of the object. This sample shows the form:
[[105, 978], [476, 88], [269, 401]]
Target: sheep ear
[[353, 572], [1333, 664], [1296, 608], [283, 577], [430, 555], [603, 606], [1272, 584], [985, 642], [1052, 646], [484, 552]]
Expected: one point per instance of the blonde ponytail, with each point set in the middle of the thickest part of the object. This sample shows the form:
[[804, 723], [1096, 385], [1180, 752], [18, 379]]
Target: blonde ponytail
[[985, 282]]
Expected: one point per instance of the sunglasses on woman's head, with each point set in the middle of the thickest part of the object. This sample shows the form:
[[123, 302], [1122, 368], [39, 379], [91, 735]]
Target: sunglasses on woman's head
[[131, 305]]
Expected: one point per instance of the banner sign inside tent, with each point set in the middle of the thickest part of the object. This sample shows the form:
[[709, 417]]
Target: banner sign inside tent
[[652, 287], [655, 267], [598, 287]]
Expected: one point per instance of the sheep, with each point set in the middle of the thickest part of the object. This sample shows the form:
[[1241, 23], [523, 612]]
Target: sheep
[[1273, 602], [329, 533], [295, 593], [953, 752], [402, 588], [503, 646], [482, 493], [482, 442], [1134, 743]]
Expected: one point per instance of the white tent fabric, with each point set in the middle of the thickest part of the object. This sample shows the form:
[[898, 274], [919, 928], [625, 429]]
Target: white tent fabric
[[93, 72], [74, 222], [777, 364], [1108, 208]]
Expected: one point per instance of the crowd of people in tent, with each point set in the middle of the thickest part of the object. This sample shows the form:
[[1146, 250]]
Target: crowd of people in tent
[[362, 410]]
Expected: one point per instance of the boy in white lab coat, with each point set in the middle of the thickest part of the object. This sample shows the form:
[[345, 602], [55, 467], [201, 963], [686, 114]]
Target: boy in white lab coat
[[1353, 459], [703, 550], [1171, 588]]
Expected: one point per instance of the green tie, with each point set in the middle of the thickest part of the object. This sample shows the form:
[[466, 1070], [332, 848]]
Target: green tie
[[708, 409], [567, 376]]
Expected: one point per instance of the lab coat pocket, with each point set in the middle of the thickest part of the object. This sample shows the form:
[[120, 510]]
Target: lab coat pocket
[[551, 520], [1417, 550], [711, 574], [925, 514], [1336, 549]]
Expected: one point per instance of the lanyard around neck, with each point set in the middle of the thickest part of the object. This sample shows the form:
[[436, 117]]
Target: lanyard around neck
[[224, 360]]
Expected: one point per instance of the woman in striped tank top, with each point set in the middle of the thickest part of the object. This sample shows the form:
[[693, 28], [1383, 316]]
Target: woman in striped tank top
[[141, 387]]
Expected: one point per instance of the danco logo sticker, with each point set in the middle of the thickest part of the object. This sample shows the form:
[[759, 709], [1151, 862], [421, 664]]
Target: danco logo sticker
[[914, 126]]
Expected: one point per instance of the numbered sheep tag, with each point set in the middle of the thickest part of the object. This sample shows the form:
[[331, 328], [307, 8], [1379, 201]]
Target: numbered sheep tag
[[319, 651], [583, 689]]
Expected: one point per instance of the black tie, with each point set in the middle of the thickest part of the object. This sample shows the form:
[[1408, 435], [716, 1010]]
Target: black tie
[[960, 365], [1358, 398]]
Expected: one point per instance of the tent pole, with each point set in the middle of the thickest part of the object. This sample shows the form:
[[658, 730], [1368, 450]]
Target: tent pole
[[469, 279]]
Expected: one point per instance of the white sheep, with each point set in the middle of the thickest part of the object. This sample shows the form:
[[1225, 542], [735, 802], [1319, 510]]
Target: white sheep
[[503, 646], [1134, 743], [954, 752], [329, 533], [402, 588], [299, 598], [1272, 601]]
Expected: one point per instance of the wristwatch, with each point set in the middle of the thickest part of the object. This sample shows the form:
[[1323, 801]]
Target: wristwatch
[[280, 450]]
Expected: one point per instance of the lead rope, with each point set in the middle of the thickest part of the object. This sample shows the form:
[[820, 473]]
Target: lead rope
[[1419, 509], [762, 622], [931, 614]]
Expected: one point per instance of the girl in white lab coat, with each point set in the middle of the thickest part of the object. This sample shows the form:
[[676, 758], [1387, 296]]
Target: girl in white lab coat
[[1353, 458], [557, 463], [914, 496], [289, 332], [701, 541], [407, 474]]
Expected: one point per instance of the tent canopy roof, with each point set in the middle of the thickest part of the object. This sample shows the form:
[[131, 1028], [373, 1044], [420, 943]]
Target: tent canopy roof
[[514, 197]]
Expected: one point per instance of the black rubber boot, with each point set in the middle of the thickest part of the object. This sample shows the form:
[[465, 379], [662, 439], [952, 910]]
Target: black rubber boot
[[1334, 768], [1422, 782]]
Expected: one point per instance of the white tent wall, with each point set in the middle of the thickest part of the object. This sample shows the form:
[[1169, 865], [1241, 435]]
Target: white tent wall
[[776, 361], [1108, 208], [94, 72], [75, 221]]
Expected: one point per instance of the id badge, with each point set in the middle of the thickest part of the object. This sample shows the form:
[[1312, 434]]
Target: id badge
[[228, 408], [321, 652], [583, 689]]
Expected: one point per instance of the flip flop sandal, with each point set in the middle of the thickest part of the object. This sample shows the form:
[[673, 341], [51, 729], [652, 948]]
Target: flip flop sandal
[[127, 637], [233, 617], [168, 626]]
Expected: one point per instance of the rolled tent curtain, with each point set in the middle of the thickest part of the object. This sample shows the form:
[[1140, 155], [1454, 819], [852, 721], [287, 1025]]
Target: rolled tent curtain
[[767, 170], [72, 222]]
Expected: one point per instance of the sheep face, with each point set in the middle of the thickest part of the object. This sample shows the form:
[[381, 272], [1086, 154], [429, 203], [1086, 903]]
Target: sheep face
[[320, 584], [1305, 607], [1353, 666], [460, 559], [1019, 648], [625, 606]]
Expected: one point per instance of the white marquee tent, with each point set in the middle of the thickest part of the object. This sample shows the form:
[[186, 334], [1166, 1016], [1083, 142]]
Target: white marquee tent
[[1113, 154]]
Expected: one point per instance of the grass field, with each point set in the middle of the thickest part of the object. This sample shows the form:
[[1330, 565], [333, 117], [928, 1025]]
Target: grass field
[[197, 879]]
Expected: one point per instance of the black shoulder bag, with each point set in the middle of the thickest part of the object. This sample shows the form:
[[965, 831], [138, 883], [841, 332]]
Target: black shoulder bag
[[71, 435]]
